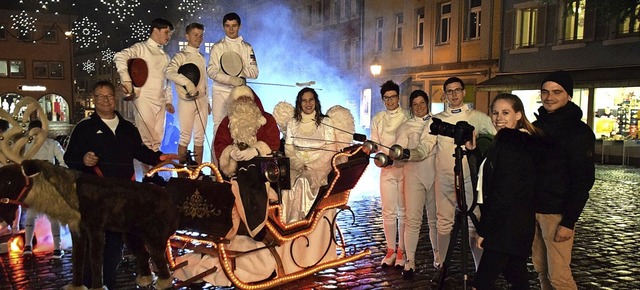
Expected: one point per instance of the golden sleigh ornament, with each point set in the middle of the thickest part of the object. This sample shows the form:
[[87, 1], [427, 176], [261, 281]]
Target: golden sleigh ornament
[[211, 243]]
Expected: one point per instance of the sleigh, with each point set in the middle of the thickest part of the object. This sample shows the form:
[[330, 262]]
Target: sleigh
[[211, 246]]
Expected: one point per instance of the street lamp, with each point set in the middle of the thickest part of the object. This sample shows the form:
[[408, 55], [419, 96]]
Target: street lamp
[[375, 68]]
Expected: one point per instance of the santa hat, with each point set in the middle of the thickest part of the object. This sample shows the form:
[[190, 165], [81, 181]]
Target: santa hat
[[240, 91]]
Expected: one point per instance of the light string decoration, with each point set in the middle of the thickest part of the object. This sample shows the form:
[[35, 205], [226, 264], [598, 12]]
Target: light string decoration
[[107, 55], [140, 31], [89, 66], [86, 32], [121, 8], [24, 23], [44, 3], [190, 6]]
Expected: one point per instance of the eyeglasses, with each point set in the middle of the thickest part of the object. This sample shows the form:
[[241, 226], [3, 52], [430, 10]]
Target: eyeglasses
[[105, 97], [456, 91], [387, 98]]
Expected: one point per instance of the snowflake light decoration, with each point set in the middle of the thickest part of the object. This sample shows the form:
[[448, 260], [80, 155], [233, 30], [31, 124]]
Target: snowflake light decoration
[[107, 55], [121, 8], [190, 6], [140, 31], [44, 3], [86, 32], [89, 66], [24, 23]]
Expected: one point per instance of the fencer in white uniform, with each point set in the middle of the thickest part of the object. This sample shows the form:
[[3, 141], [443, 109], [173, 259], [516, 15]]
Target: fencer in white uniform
[[419, 191], [223, 83], [444, 148], [193, 101], [154, 97], [384, 126]]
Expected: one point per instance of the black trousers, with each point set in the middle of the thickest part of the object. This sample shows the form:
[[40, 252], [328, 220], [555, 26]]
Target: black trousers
[[492, 263]]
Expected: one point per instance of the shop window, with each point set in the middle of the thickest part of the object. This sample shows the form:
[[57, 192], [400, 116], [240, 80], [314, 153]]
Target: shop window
[[55, 107], [630, 24], [474, 18], [40, 69], [420, 27], [444, 25], [616, 112], [574, 20], [531, 101], [9, 102]]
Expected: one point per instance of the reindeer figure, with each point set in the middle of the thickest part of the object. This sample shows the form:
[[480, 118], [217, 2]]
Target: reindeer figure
[[144, 213]]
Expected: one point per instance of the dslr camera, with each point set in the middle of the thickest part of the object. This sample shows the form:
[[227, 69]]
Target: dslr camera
[[461, 132]]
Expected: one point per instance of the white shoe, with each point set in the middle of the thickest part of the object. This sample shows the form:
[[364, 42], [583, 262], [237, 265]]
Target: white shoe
[[400, 258], [389, 259]]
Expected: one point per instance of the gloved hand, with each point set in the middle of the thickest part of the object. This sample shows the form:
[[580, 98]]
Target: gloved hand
[[127, 87], [191, 89], [244, 155], [237, 81]]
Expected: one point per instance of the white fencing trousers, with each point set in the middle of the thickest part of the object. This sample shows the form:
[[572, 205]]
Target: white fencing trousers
[[149, 118], [416, 196], [219, 107], [445, 208], [392, 199], [193, 120]]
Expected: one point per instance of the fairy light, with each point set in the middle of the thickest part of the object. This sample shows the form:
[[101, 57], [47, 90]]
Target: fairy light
[[190, 6], [139, 31], [24, 23], [121, 8], [44, 3], [85, 32], [89, 66], [107, 55]]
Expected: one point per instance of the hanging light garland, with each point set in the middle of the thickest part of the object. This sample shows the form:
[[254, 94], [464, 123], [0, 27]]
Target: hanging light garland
[[140, 31], [24, 23], [86, 32], [89, 66], [107, 55], [121, 8], [190, 6]]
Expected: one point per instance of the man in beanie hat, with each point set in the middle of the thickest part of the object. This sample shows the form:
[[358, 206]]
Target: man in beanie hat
[[565, 176], [248, 131]]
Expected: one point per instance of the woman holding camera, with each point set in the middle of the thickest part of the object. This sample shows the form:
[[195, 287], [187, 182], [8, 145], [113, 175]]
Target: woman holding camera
[[506, 185]]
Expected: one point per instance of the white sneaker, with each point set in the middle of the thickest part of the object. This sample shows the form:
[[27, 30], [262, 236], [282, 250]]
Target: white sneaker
[[389, 259], [400, 258]]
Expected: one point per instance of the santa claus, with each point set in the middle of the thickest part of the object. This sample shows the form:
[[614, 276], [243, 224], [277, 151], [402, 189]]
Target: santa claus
[[247, 131]]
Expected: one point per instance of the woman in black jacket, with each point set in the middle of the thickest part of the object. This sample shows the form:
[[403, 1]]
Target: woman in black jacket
[[506, 189]]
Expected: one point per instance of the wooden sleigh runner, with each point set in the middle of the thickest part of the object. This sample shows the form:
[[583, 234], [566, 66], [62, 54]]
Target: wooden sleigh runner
[[213, 247]]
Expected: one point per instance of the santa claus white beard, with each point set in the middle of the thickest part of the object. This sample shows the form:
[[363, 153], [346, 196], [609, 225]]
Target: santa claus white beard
[[245, 118]]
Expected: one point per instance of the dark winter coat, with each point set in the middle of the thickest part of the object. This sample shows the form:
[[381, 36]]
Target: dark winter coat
[[116, 152], [509, 177], [567, 171]]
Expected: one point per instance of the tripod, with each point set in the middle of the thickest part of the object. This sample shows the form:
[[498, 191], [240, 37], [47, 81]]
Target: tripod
[[461, 224]]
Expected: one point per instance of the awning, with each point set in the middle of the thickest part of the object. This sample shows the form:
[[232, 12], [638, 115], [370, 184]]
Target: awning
[[590, 78]]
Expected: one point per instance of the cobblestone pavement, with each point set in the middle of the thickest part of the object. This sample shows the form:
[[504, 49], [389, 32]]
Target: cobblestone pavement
[[605, 252]]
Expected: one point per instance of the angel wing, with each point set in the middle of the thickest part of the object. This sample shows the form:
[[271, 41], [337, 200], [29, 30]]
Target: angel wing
[[342, 119], [283, 112]]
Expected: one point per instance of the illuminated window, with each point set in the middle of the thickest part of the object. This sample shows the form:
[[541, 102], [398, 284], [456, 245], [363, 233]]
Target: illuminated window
[[444, 27], [398, 35], [526, 20], [631, 24], [379, 27], [474, 19], [420, 27], [574, 20]]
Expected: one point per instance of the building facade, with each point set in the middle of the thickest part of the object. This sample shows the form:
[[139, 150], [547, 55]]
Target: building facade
[[36, 61]]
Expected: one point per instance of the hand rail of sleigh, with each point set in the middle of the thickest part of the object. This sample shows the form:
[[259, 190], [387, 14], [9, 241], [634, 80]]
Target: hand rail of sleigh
[[206, 206]]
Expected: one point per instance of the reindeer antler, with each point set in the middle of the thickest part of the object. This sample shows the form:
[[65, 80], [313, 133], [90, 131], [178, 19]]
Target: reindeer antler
[[13, 141]]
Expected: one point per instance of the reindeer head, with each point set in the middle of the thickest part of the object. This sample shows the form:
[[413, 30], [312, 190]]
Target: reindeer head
[[13, 141]]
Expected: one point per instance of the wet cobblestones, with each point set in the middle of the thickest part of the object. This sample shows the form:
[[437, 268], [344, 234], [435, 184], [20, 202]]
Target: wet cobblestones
[[606, 253]]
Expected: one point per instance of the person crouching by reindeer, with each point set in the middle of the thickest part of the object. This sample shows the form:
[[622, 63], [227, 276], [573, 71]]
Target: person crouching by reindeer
[[105, 144]]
